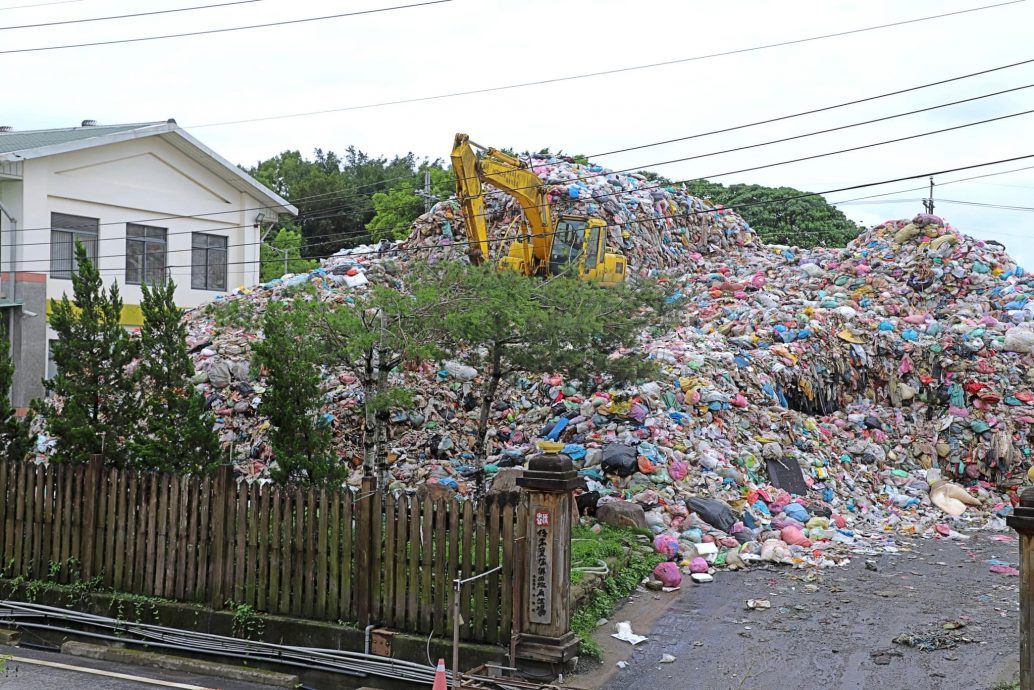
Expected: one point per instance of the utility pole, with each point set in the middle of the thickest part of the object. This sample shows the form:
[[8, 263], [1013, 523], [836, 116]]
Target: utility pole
[[427, 190], [928, 203]]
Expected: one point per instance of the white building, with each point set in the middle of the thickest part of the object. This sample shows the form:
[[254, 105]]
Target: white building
[[146, 200]]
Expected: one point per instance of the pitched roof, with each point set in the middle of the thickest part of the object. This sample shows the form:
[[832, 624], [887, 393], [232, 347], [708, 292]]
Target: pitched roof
[[39, 138], [30, 144]]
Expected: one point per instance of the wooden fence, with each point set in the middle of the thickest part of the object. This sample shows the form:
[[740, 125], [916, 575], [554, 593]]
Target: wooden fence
[[368, 557]]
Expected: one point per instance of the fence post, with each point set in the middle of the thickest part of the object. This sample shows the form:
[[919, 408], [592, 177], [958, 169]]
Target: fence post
[[1022, 520], [224, 489], [91, 493], [545, 620], [364, 505]]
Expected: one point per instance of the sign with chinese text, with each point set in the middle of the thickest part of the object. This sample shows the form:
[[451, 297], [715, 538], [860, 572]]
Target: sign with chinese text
[[541, 565]]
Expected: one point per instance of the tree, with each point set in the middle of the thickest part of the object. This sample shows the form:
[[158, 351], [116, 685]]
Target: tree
[[397, 208], [781, 215], [15, 438], [372, 334], [508, 323], [93, 408], [333, 193], [288, 241], [301, 443], [177, 433]]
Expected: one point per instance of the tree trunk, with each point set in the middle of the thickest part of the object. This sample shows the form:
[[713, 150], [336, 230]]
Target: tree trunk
[[487, 399], [369, 422], [380, 417]]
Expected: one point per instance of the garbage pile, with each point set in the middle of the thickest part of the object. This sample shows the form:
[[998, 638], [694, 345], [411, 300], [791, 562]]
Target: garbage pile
[[656, 226], [813, 402]]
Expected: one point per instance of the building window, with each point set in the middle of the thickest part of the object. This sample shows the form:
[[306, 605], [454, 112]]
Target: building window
[[145, 254], [64, 231], [208, 264]]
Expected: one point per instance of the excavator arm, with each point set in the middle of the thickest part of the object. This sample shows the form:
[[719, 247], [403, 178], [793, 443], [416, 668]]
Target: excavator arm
[[574, 244], [508, 174]]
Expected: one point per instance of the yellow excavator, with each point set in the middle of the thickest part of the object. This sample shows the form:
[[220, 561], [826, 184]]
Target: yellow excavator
[[572, 244]]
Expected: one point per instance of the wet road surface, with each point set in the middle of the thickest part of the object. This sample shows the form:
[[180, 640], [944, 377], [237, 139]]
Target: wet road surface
[[834, 628]]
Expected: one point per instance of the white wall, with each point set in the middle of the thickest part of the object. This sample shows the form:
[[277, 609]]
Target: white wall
[[136, 181], [11, 198]]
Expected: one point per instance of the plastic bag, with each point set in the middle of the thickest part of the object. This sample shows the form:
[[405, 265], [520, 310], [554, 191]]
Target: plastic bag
[[619, 459], [714, 512]]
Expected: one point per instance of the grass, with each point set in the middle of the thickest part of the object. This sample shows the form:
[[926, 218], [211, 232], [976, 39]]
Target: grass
[[588, 548], [593, 547]]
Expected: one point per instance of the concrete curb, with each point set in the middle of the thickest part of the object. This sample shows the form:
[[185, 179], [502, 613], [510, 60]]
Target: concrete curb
[[176, 663]]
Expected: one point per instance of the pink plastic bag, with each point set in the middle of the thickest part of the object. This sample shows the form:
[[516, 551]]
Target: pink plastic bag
[[698, 565], [666, 545], [668, 573], [794, 537], [678, 470]]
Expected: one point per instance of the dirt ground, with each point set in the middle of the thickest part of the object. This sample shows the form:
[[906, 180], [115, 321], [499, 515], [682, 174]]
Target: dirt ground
[[831, 629]]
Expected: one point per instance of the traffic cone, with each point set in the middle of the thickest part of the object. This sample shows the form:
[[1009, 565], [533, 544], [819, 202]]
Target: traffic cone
[[440, 682]]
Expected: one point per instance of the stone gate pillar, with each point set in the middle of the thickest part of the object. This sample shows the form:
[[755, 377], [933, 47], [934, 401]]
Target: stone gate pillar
[[1022, 520], [545, 599]]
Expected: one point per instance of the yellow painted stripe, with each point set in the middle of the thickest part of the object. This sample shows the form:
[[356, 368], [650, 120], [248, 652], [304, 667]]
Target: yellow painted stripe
[[132, 314]]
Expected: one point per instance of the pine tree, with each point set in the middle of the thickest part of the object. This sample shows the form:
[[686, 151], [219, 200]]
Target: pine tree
[[301, 443], [176, 433], [511, 324], [93, 408], [15, 437]]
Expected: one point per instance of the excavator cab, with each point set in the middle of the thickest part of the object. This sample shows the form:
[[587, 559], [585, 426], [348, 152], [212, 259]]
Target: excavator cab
[[579, 248]]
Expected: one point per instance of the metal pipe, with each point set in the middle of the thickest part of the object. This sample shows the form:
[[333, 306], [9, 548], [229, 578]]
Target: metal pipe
[[351, 663], [366, 641], [457, 586], [14, 259]]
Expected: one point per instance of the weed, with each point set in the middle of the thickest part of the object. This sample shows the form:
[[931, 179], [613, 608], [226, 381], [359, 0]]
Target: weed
[[33, 589], [142, 607], [246, 625], [591, 546]]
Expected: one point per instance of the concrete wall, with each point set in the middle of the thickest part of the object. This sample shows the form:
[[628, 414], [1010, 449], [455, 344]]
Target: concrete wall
[[29, 338]]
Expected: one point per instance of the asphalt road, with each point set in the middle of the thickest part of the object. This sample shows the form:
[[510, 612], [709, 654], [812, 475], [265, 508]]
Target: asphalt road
[[832, 629], [26, 676]]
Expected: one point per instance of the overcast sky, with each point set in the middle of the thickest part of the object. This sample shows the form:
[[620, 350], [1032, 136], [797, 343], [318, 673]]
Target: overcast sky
[[471, 44]]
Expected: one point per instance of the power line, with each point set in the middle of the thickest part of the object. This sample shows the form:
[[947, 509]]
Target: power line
[[236, 28], [1006, 207], [847, 150], [770, 165], [1012, 186], [939, 184], [625, 224], [648, 187], [626, 170], [127, 16], [601, 73], [159, 219], [40, 4], [813, 111], [842, 127]]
